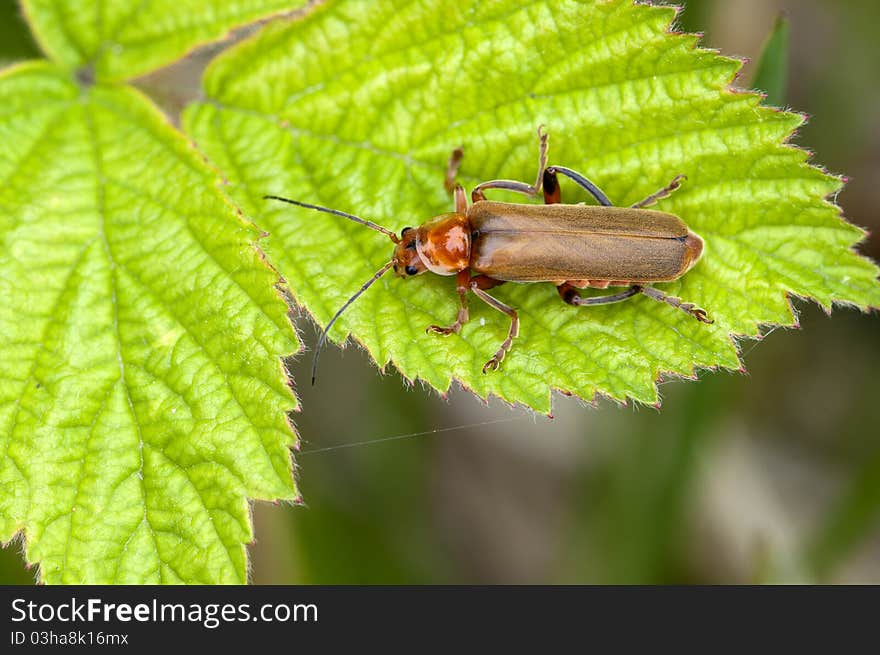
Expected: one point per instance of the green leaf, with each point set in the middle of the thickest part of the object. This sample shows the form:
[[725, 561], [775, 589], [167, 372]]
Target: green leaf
[[359, 105], [120, 40], [142, 398], [772, 73]]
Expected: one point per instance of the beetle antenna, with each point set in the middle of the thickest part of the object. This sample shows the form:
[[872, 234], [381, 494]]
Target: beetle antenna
[[352, 217], [323, 339]]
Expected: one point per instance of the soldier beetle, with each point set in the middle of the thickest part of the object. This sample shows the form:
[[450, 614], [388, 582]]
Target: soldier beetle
[[573, 246]]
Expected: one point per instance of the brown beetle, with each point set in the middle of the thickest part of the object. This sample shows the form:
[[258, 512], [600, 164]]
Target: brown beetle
[[572, 246]]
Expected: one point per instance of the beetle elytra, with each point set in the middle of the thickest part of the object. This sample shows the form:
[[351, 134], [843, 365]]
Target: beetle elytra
[[573, 246]]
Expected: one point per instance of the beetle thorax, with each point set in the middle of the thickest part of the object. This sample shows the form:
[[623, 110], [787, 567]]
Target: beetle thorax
[[444, 243]]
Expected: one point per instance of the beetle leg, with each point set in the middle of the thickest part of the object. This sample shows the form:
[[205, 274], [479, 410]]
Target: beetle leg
[[662, 193], [508, 185], [688, 307], [460, 200], [462, 286], [452, 167], [495, 362], [543, 145], [486, 282], [552, 191], [569, 294], [530, 190], [578, 179]]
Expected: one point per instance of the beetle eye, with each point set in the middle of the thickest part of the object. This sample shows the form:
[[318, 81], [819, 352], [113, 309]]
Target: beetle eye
[[411, 270], [405, 230]]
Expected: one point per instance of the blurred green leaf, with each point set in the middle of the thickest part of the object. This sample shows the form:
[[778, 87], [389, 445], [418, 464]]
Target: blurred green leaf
[[11, 570], [15, 40], [120, 40], [638, 503], [853, 518], [771, 75], [142, 398], [359, 105]]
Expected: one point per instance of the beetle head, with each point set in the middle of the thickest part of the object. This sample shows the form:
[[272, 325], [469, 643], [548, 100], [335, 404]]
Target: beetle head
[[407, 262]]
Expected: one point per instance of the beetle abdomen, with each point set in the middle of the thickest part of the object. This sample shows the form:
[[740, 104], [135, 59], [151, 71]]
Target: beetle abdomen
[[535, 243]]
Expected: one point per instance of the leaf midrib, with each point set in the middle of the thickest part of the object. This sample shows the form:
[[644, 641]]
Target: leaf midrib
[[97, 162]]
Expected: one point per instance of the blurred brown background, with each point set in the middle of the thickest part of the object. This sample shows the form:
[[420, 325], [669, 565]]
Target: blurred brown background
[[773, 476]]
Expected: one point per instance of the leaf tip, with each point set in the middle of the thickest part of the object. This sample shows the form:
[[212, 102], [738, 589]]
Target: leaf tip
[[803, 116]]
